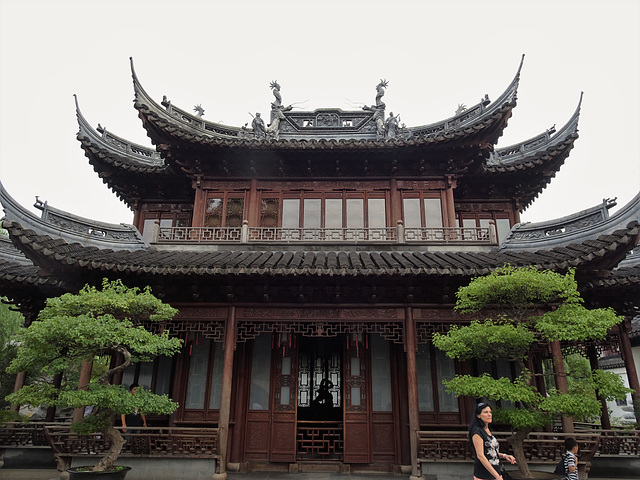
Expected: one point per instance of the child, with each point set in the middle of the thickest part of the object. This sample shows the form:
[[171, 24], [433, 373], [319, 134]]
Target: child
[[571, 458]]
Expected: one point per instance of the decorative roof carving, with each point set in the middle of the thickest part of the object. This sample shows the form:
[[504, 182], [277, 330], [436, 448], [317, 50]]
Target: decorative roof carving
[[71, 228], [577, 227], [310, 129]]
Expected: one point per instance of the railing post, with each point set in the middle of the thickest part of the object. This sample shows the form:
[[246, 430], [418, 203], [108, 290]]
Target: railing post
[[400, 230], [244, 235]]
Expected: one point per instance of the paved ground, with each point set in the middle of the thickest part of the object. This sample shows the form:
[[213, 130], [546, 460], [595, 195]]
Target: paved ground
[[47, 474]]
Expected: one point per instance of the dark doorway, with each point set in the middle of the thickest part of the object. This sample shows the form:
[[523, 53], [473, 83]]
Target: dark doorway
[[320, 400]]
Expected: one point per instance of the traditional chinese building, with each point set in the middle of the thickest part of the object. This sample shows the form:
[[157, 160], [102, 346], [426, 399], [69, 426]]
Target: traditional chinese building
[[312, 258]]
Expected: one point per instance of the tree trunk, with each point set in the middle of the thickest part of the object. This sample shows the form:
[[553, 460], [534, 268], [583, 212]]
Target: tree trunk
[[117, 442], [517, 444]]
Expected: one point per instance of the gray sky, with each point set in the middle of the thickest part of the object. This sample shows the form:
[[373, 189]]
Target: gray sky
[[223, 55]]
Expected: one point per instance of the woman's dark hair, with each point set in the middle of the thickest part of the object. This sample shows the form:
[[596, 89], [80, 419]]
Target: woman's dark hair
[[476, 423], [132, 386]]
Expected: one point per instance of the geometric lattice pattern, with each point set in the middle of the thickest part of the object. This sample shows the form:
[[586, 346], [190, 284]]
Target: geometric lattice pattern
[[320, 441]]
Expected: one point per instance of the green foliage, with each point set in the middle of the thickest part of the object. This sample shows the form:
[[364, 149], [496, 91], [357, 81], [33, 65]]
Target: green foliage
[[517, 295], [491, 388], [486, 340], [516, 287], [609, 385], [574, 322], [10, 323], [94, 323]]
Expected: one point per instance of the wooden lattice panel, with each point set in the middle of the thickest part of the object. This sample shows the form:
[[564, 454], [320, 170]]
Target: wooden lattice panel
[[320, 442]]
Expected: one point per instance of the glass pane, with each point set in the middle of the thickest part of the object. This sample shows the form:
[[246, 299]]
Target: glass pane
[[269, 210], [425, 388], [128, 376], [146, 372], [286, 366], [235, 212], [312, 213], [213, 213], [355, 366], [163, 378], [503, 228], [198, 365], [355, 213], [333, 213], [291, 213], [380, 374], [355, 396], [412, 213], [215, 390], [433, 212], [147, 229], [285, 393], [446, 370], [469, 223], [260, 373], [377, 213]]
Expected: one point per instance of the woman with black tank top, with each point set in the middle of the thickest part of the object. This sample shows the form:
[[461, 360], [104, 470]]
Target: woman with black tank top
[[486, 465]]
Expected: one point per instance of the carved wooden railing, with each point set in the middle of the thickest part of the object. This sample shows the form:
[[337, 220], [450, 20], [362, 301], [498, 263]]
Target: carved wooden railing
[[150, 441], [399, 234], [320, 441], [539, 447], [23, 434]]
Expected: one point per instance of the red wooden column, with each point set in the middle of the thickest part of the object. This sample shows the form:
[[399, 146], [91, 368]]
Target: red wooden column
[[21, 377], [561, 381], [627, 356], [449, 205], [225, 396], [410, 344], [85, 378]]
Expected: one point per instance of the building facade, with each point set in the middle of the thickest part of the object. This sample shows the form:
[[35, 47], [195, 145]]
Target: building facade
[[311, 259]]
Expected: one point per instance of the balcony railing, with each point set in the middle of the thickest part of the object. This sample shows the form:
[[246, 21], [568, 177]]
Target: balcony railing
[[398, 234]]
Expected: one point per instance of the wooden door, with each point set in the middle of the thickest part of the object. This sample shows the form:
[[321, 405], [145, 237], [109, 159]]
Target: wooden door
[[357, 446], [283, 419]]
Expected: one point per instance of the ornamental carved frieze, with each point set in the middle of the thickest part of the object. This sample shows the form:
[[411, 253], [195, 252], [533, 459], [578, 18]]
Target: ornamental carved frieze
[[321, 313], [480, 207], [224, 186], [213, 330], [392, 331], [202, 313], [421, 184], [323, 186]]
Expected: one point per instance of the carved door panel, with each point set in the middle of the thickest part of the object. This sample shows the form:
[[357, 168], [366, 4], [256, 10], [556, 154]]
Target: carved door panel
[[356, 407], [283, 413]]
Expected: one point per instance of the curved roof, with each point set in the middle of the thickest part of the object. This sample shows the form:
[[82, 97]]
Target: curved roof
[[580, 226], [66, 227], [482, 123], [58, 254]]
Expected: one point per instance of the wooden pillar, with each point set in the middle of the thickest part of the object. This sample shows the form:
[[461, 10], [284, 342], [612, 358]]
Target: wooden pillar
[[225, 396], [604, 411], [450, 206], [253, 213], [561, 381], [199, 204], [630, 365], [83, 383], [395, 202], [51, 411], [21, 377], [412, 389]]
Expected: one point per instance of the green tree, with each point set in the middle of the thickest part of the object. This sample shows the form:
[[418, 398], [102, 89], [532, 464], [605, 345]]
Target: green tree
[[10, 323], [527, 306], [95, 322]]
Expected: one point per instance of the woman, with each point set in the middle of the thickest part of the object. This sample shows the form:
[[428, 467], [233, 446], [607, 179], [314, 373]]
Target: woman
[[486, 465]]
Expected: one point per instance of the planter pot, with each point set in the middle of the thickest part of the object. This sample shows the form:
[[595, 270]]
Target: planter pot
[[79, 473]]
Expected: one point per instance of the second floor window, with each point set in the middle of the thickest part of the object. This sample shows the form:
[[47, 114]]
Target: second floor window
[[224, 212]]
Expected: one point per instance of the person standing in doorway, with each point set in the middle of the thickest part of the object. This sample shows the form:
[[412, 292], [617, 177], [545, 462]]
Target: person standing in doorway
[[131, 422]]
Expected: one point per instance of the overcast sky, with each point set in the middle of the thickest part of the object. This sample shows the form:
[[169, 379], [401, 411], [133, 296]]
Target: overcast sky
[[224, 54]]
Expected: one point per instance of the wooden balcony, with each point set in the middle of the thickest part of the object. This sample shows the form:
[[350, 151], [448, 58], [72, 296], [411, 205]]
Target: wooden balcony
[[348, 236]]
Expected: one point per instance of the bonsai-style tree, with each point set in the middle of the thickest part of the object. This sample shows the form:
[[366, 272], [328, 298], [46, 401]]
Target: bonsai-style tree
[[517, 298], [90, 324]]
